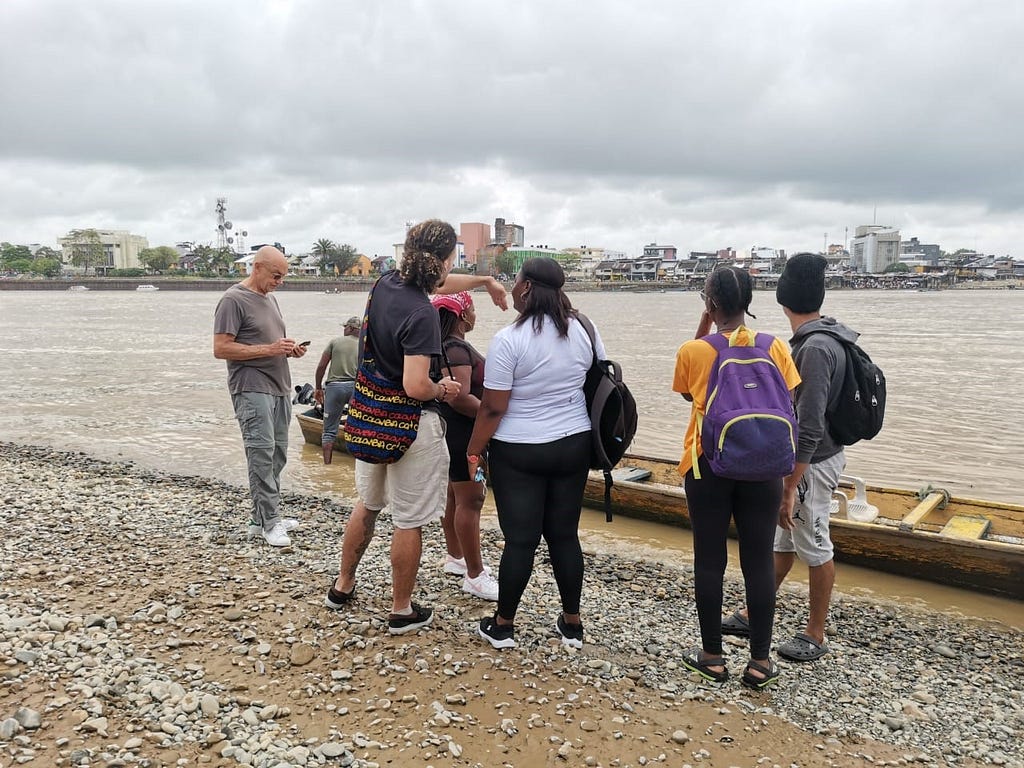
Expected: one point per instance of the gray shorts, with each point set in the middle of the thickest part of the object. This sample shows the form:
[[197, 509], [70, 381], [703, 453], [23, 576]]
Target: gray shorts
[[810, 538], [415, 487]]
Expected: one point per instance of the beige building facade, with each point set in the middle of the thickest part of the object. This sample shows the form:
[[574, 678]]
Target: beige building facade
[[121, 250]]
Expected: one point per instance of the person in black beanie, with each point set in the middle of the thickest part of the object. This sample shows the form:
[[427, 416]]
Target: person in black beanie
[[806, 494]]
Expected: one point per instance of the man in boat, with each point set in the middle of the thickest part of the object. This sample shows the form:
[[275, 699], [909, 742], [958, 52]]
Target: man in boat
[[804, 512], [340, 360], [249, 333]]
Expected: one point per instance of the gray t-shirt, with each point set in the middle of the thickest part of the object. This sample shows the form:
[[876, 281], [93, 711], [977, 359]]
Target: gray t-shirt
[[253, 318]]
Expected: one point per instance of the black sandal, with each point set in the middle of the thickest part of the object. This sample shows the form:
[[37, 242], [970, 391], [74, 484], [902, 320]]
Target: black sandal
[[771, 675], [692, 661]]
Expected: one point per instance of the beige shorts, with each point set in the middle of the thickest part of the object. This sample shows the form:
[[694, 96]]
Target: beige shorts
[[415, 487]]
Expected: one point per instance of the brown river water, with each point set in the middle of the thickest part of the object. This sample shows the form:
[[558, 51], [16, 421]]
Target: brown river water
[[131, 376]]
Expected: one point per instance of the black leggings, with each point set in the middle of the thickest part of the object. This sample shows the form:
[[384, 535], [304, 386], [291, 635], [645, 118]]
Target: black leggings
[[538, 490], [754, 506]]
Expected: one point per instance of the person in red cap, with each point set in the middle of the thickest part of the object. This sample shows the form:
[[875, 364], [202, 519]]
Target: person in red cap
[[461, 521]]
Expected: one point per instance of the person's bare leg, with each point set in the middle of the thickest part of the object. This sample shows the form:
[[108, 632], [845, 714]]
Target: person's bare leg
[[821, 579], [451, 535], [358, 534], [406, 548], [469, 500]]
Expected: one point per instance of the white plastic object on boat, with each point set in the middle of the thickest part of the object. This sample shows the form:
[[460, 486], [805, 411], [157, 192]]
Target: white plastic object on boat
[[857, 509]]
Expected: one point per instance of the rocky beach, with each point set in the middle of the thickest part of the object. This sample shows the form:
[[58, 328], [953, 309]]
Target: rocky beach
[[140, 626]]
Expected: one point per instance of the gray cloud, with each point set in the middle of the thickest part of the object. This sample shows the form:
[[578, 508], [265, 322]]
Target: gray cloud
[[607, 123]]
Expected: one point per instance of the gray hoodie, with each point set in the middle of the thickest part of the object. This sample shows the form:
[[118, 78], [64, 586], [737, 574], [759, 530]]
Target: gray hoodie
[[821, 361]]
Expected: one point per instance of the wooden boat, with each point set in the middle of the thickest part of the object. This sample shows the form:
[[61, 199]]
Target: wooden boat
[[311, 422], [927, 534], [976, 545]]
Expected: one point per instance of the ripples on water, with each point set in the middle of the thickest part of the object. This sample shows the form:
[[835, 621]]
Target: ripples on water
[[131, 375]]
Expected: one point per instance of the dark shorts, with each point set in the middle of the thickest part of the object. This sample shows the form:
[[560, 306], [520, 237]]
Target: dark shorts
[[457, 437]]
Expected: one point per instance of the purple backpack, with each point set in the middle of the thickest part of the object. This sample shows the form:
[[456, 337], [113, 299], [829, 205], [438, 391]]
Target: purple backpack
[[748, 430]]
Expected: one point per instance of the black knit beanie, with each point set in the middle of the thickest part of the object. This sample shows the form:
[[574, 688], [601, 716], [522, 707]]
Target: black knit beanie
[[802, 285]]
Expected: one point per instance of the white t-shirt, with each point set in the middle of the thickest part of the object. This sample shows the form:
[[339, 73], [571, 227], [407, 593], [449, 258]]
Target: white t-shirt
[[545, 374]]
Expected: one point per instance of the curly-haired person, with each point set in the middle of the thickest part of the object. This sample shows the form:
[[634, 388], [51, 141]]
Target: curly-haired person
[[406, 336]]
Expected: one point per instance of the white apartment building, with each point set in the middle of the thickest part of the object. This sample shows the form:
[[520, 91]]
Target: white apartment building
[[120, 248], [585, 260], [874, 248]]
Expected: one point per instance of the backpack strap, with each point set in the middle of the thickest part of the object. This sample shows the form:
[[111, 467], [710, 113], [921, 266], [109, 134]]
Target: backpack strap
[[598, 407], [589, 328]]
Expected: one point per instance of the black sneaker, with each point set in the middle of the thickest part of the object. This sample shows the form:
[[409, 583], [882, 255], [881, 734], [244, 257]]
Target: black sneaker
[[336, 600], [419, 618], [498, 635], [572, 634]]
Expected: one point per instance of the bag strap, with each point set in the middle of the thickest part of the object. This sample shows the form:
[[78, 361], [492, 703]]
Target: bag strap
[[597, 407], [366, 323], [589, 328]]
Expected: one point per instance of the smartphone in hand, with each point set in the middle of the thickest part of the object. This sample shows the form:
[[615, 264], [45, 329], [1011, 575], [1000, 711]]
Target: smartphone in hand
[[304, 343]]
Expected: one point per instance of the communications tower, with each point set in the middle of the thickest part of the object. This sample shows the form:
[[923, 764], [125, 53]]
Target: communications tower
[[225, 236]]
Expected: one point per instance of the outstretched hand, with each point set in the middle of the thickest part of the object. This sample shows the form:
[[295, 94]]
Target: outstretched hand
[[498, 293]]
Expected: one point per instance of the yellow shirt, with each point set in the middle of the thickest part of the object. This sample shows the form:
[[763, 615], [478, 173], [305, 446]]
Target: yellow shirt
[[694, 361]]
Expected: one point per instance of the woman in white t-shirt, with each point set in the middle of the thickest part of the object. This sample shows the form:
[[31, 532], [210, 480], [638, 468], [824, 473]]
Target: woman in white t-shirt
[[533, 420]]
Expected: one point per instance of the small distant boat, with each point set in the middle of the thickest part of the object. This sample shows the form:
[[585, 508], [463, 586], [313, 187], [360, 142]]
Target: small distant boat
[[146, 287], [78, 288]]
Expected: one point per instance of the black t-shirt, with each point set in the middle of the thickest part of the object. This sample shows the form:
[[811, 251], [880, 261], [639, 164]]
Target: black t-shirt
[[402, 322]]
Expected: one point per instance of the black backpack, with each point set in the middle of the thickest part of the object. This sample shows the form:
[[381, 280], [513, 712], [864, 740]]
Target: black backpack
[[857, 414], [612, 412]]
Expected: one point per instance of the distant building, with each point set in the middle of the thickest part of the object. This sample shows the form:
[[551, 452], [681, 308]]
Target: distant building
[[874, 248], [473, 237], [120, 250], [915, 250], [508, 234], [663, 252], [584, 260], [762, 254], [519, 255], [362, 268]]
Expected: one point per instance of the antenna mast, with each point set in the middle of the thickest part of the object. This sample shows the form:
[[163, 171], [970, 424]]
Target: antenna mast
[[224, 237]]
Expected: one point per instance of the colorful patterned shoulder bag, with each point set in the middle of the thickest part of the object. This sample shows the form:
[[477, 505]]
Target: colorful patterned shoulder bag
[[382, 420]]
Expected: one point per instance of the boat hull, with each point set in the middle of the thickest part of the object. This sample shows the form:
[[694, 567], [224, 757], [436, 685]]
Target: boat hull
[[312, 426], [919, 549], [994, 564]]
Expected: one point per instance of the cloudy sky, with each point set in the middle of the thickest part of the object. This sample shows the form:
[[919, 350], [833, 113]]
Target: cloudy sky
[[615, 124]]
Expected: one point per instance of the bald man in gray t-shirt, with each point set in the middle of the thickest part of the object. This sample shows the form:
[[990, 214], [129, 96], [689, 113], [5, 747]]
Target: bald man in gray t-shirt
[[249, 333]]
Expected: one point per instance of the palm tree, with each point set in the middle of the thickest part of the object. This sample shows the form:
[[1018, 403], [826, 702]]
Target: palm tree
[[323, 248]]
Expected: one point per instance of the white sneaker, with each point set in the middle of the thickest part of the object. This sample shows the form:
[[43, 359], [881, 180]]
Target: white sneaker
[[456, 566], [289, 523], [277, 536], [483, 586]]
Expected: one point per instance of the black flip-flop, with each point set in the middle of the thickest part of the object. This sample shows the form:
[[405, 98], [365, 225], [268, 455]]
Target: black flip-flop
[[736, 625], [770, 675], [691, 660], [802, 648]]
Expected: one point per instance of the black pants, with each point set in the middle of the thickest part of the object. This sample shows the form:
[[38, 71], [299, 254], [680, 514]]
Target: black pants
[[538, 490], [754, 507]]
